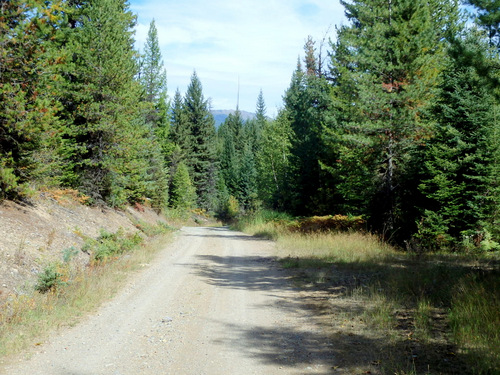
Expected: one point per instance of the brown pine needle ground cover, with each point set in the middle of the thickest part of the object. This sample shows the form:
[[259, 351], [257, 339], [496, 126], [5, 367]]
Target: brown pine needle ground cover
[[395, 312]]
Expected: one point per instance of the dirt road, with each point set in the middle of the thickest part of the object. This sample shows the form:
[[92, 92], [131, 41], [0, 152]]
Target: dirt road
[[213, 302]]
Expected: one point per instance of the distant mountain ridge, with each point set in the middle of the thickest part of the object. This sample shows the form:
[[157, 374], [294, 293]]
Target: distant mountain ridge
[[220, 115]]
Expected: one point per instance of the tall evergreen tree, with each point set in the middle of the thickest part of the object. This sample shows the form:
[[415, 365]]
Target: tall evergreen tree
[[261, 110], [461, 181], [100, 103], [202, 159], [253, 127], [386, 67], [180, 132], [153, 78], [30, 56], [307, 103], [230, 145]]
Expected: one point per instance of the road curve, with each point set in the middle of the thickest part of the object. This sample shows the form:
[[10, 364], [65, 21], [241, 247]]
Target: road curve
[[213, 302]]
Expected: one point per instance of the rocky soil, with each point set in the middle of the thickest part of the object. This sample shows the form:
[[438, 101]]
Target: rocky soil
[[35, 233]]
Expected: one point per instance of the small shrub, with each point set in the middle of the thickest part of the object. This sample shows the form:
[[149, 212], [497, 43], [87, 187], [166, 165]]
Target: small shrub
[[10, 185], [49, 279], [8, 181], [152, 230], [69, 254]]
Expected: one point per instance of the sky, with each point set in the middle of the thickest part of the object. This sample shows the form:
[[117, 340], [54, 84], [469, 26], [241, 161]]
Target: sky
[[253, 42]]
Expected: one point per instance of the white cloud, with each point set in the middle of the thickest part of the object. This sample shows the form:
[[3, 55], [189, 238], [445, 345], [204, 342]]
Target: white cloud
[[256, 40]]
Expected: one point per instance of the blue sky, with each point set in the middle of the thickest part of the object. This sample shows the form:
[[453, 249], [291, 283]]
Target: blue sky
[[254, 41]]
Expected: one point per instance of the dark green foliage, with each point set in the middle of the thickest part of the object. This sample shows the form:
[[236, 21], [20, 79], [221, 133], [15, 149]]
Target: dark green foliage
[[386, 68], [309, 108], [180, 132], [460, 182], [307, 102], [98, 102], [230, 134], [238, 144], [153, 79], [29, 60], [488, 17], [403, 129], [115, 136], [253, 127], [201, 160], [49, 279]]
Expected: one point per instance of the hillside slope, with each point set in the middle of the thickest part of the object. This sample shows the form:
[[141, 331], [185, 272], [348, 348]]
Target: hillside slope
[[39, 232]]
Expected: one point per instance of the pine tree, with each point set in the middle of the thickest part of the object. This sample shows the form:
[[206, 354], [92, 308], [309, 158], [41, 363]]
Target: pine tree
[[182, 192], [386, 67], [488, 17], [201, 161], [253, 127], [180, 133], [153, 78], [461, 180], [307, 102], [261, 111], [30, 57], [229, 154], [100, 103]]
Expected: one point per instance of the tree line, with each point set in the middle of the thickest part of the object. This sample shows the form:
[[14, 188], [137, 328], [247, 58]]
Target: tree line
[[395, 120]]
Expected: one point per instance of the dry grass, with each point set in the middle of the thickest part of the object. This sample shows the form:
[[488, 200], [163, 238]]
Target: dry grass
[[341, 247], [66, 196], [432, 314], [26, 319]]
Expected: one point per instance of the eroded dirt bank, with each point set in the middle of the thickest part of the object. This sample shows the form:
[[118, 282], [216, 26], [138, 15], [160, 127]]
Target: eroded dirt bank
[[35, 234]]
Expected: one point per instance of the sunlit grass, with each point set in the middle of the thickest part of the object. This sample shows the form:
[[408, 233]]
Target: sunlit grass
[[475, 320], [426, 290], [26, 319], [341, 247]]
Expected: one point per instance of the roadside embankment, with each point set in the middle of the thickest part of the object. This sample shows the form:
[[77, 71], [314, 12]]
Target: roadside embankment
[[40, 232]]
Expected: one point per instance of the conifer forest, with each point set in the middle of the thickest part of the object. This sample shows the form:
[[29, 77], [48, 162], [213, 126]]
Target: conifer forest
[[395, 119]]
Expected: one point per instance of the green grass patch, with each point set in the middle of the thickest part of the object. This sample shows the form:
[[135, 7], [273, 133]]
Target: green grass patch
[[475, 320]]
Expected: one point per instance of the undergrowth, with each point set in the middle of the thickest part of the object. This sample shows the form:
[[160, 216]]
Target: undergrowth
[[65, 291], [446, 305]]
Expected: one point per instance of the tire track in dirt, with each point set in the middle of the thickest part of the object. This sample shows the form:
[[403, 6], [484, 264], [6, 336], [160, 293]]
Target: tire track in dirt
[[213, 302]]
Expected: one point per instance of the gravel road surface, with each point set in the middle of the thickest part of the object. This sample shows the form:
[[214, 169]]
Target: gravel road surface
[[213, 302]]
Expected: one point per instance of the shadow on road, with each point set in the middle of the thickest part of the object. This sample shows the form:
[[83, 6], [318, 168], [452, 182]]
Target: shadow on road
[[249, 273], [225, 233], [336, 348]]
